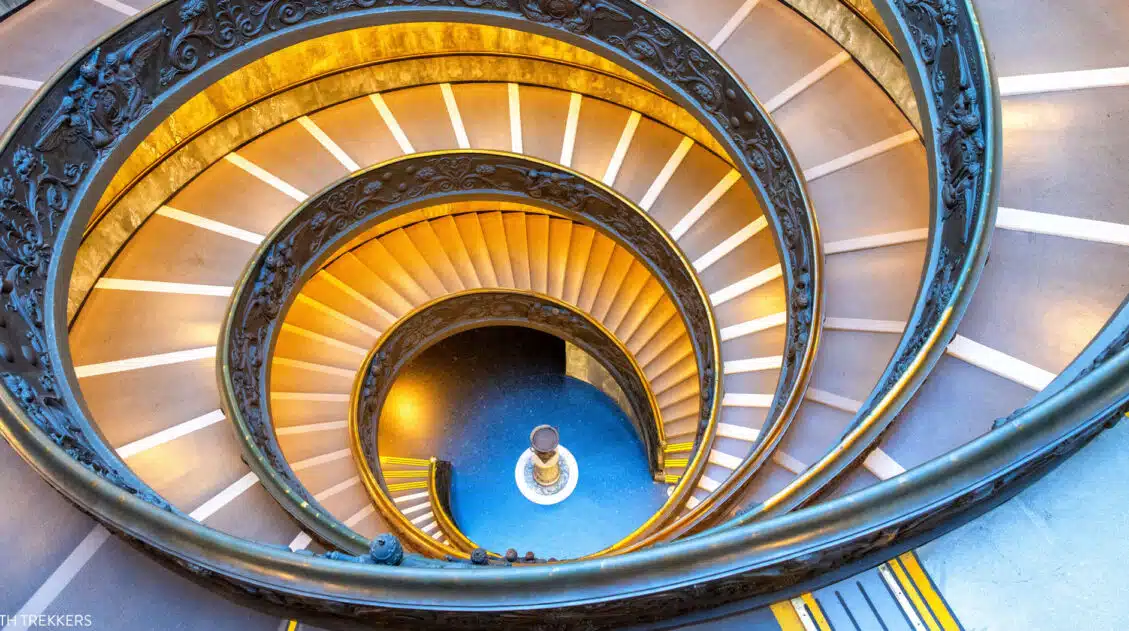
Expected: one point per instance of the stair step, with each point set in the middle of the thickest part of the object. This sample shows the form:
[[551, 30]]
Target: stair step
[[495, 243], [517, 243]]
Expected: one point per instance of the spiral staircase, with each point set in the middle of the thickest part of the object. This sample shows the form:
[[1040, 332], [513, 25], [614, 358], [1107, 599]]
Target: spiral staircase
[[229, 225]]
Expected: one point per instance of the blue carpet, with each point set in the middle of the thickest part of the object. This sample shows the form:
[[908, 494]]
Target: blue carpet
[[614, 494]]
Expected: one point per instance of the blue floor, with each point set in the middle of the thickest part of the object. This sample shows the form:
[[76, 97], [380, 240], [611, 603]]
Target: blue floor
[[473, 399], [614, 494]]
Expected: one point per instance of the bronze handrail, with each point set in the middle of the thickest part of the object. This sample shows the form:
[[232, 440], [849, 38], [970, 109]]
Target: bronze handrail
[[174, 47], [70, 149], [327, 221], [867, 11], [756, 563], [956, 89], [439, 493]]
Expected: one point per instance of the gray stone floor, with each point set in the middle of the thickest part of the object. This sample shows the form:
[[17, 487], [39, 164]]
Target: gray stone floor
[[1051, 559]]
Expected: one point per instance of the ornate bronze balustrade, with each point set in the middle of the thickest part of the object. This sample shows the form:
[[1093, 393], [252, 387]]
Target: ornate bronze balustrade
[[948, 62], [324, 223], [71, 137], [66, 145]]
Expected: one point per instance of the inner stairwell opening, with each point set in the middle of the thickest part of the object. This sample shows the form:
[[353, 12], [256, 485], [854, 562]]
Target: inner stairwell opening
[[473, 399]]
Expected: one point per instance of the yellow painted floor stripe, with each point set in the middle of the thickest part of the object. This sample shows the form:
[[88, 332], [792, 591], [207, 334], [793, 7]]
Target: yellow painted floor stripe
[[805, 614], [914, 597], [816, 612], [786, 617], [937, 605], [293, 626]]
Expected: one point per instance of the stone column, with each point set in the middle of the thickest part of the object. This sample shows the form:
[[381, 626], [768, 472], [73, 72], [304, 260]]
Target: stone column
[[544, 440]]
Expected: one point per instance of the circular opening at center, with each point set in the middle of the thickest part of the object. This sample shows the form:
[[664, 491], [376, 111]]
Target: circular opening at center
[[478, 400]]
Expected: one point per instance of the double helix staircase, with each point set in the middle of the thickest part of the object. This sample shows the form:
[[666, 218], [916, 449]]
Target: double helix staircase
[[142, 336], [372, 285]]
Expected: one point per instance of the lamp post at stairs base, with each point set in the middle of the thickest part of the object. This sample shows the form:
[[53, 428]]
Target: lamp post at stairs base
[[544, 441], [547, 472]]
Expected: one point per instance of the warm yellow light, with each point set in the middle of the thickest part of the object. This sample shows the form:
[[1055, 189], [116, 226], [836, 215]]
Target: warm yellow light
[[1067, 326], [406, 413], [1038, 116], [407, 408]]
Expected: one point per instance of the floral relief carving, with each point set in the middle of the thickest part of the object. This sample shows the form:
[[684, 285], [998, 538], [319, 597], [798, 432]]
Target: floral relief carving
[[106, 98], [34, 201], [951, 65], [576, 16]]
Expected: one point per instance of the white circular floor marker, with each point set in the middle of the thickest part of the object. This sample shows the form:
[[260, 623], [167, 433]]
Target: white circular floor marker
[[546, 495]]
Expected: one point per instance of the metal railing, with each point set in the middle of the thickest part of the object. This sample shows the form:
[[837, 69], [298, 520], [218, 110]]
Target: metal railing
[[948, 62], [439, 496], [327, 221], [214, 37], [68, 141]]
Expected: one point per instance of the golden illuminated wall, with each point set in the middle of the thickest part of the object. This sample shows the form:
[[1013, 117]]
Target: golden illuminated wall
[[321, 72], [866, 9], [582, 366], [416, 47], [322, 56]]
